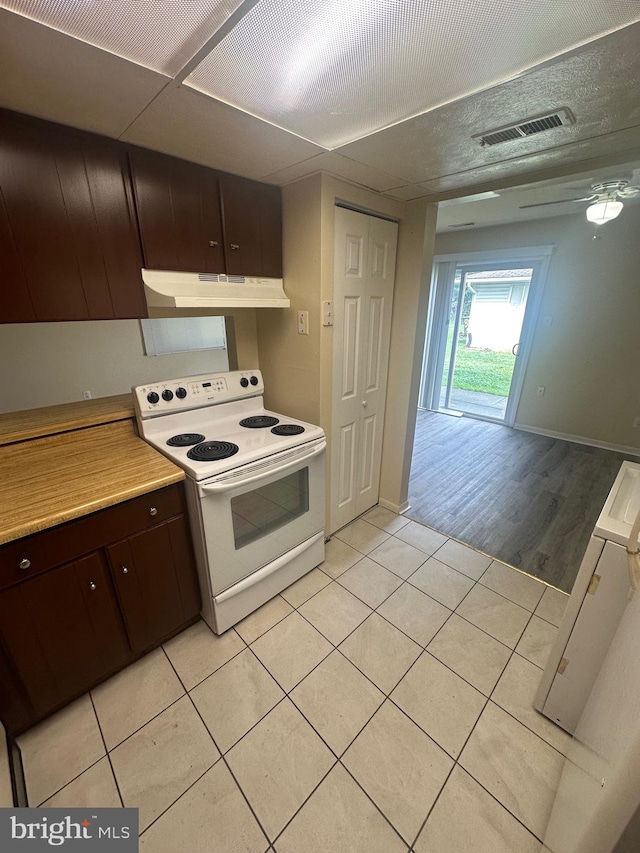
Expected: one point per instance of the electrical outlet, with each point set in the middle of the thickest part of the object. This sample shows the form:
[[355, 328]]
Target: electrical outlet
[[86, 395], [303, 322], [540, 391], [636, 423]]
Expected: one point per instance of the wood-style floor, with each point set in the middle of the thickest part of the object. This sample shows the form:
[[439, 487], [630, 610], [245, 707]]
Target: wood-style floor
[[528, 500]]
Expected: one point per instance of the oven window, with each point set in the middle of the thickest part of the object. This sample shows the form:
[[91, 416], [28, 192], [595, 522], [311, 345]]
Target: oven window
[[257, 513]]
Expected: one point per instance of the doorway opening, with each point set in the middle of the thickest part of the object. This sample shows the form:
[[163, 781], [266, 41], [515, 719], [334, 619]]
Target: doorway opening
[[478, 337]]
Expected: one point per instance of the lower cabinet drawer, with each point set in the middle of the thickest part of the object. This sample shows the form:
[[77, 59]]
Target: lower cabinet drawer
[[26, 558]]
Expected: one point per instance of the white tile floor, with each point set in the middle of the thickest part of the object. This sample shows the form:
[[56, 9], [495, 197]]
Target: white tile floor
[[381, 703]]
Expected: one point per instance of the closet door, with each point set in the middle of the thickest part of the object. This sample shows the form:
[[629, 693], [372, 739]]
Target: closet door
[[365, 252]]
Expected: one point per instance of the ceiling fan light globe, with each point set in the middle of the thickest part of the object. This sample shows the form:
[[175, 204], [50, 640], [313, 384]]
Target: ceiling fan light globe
[[603, 211]]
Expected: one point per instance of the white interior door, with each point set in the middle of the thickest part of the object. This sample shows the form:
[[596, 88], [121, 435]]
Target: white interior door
[[365, 256]]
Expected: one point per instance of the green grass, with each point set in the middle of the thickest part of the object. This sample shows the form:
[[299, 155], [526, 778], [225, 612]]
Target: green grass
[[482, 370]]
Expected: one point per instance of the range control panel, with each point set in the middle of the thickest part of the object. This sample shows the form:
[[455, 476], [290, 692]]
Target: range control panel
[[191, 392]]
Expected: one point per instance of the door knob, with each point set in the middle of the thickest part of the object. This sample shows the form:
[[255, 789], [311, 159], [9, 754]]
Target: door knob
[[125, 570], [92, 585], [213, 243], [364, 404], [24, 564], [153, 510]]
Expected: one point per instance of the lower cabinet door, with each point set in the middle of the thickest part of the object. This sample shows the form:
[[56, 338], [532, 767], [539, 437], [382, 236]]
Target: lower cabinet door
[[63, 631], [156, 580]]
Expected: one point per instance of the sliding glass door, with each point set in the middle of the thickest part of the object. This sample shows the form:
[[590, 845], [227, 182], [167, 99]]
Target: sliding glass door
[[478, 336]]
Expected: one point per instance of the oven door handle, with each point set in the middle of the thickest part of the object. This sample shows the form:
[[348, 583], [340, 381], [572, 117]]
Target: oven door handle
[[233, 482]]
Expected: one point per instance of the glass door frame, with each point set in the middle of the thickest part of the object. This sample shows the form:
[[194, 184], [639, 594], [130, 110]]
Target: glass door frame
[[442, 283]]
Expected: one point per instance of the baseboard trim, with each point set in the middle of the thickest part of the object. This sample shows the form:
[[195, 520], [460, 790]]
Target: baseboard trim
[[579, 439], [400, 509]]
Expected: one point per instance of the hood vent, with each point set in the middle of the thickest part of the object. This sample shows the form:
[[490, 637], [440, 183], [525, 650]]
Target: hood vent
[[529, 127], [169, 289]]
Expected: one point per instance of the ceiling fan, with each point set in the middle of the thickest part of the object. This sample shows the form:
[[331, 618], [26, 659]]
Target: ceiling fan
[[604, 200]]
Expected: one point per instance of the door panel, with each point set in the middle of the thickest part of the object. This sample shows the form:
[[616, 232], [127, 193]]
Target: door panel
[[367, 479], [365, 249], [345, 451], [376, 322], [354, 256], [350, 343]]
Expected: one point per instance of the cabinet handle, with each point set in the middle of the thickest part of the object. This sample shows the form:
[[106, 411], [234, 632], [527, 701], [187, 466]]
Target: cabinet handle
[[24, 564], [153, 510], [213, 243], [125, 570], [92, 585], [234, 246]]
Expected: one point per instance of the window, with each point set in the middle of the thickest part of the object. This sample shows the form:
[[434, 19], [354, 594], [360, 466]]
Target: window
[[183, 334]]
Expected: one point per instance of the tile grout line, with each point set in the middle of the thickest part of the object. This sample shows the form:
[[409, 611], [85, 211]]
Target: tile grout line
[[220, 758], [487, 699], [115, 778]]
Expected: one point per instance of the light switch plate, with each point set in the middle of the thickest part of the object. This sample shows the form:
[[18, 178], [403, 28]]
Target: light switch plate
[[303, 322]]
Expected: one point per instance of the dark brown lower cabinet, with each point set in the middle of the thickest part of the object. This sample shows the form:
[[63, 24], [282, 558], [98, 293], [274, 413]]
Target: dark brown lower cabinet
[[63, 630], [66, 627], [156, 594]]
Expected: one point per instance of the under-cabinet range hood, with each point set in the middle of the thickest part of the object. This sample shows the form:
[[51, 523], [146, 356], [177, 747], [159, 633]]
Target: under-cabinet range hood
[[169, 289]]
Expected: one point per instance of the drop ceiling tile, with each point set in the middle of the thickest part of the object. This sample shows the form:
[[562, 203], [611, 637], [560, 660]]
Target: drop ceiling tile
[[597, 82], [48, 74], [162, 36], [342, 167], [186, 124], [336, 72]]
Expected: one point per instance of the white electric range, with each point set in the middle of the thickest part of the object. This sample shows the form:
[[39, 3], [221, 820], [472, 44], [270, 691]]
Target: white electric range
[[255, 486]]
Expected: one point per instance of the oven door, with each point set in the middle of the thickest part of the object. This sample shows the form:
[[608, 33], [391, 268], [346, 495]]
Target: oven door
[[253, 515]]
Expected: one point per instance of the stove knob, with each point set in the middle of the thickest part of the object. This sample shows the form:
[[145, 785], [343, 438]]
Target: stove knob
[[167, 395], [181, 393], [244, 382], [254, 380], [152, 397]]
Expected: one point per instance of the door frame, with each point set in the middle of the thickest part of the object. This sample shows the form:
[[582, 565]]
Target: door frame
[[444, 267]]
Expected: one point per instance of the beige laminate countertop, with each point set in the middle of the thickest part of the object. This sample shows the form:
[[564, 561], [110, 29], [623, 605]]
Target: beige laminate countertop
[[35, 423], [50, 480]]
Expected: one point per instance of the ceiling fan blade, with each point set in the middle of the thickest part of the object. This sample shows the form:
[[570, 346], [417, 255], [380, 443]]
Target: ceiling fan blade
[[559, 201]]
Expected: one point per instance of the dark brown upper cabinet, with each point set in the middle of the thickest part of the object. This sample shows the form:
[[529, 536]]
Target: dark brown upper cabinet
[[252, 227], [178, 207], [68, 234]]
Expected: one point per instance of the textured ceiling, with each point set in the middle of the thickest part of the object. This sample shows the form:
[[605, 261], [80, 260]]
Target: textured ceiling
[[60, 77]]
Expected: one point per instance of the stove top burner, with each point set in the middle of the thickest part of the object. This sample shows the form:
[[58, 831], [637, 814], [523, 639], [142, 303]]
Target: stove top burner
[[184, 439], [211, 451], [259, 421], [287, 429]]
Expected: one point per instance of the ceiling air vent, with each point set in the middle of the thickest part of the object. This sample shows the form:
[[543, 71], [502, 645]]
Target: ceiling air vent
[[529, 127]]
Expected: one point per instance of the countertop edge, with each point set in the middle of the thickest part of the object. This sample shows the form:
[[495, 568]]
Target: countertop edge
[[37, 525], [65, 417]]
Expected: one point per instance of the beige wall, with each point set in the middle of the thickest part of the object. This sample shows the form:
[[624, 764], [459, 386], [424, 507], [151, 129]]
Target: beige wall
[[290, 362], [48, 363], [588, 360], [297, 368], [410, 302]]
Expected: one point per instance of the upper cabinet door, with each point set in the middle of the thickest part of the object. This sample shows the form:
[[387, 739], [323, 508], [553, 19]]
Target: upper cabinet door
[[178, 209], [252, 226], [66, 220]]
